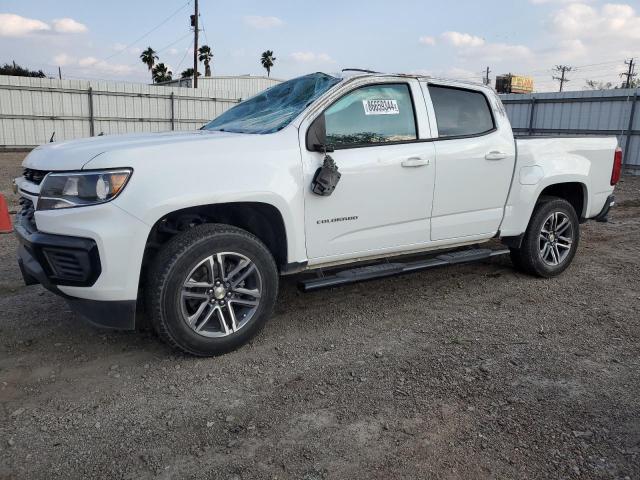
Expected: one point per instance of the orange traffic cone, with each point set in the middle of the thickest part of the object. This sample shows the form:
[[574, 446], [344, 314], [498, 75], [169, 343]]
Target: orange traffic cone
[[5, 219]]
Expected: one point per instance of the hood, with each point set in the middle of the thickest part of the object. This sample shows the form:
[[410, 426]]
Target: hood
[[75, 154]]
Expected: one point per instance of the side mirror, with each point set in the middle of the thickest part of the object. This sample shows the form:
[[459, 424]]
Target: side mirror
[[317, 136]]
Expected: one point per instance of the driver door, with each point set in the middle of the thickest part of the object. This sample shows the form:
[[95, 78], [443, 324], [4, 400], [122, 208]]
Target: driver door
[[383, 200]]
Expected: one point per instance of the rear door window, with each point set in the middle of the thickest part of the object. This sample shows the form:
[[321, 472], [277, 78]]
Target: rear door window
[[371, 115], [460, 112]]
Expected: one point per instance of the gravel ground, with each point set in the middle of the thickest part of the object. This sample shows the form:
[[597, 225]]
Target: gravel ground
[[466, 372]]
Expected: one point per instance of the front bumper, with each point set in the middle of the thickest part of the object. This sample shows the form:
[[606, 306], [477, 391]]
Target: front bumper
[[62, 262]]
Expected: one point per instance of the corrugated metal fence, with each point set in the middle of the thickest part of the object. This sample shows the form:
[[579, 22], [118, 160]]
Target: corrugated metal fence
[[240, 86], [589, 113], [32, 109]]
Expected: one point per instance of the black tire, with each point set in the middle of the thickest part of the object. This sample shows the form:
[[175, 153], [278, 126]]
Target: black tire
[[528, 258], [173, 265]]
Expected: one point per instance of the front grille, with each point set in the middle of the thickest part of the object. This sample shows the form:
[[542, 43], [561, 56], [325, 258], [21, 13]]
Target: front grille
[[26, 214], [34, 176]]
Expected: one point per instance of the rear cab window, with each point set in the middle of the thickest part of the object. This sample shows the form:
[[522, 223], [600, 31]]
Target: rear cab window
[[461, 112], [372, 115]]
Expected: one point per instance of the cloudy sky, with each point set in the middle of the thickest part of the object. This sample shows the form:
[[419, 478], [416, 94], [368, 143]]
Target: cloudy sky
[[91, 39]]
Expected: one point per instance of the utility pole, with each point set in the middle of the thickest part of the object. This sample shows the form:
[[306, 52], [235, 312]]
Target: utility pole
[[630, 73], [59, 73], [194, 24], [486, 78], [563, 70]]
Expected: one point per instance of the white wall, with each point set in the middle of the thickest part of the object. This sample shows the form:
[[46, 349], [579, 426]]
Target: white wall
[[241, 87], [31, 109]]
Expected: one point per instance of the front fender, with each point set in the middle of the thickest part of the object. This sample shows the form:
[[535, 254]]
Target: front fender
[[213, 170]]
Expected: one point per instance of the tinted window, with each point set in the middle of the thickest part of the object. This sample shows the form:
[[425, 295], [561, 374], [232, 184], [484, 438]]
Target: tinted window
[[460, 112], [371, 115]]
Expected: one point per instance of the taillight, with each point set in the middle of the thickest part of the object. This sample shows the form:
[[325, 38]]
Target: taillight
[[617, 166]]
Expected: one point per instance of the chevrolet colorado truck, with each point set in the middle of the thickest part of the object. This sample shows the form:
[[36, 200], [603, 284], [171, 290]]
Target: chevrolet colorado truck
[[346, 176]]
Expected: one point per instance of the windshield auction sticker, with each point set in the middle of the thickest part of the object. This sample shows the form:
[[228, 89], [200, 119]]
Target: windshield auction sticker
[[381, 107]]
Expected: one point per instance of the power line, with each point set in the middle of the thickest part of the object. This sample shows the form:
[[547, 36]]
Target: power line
[[149, 32], [186, 51], [188, 34]]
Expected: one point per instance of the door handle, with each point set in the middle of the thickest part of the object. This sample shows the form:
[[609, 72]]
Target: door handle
[[495, 155], [415, 162]]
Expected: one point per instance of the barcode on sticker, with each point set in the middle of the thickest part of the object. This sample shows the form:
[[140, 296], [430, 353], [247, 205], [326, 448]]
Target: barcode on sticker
[[381, 107]]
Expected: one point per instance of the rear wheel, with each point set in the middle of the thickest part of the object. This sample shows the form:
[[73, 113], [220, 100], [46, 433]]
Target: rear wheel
[[550, 241], [211, 289]]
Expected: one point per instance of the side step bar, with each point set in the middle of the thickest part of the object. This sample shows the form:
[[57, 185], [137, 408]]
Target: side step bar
[[390, 269]]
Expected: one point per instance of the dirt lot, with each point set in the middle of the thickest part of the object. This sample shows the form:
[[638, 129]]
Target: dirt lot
[[466, 372]]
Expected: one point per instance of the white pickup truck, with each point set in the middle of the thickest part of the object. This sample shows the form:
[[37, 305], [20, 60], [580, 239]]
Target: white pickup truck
[[321, 173]]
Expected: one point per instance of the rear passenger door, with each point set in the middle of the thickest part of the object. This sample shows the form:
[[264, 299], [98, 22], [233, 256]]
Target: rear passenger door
[[475, 157]]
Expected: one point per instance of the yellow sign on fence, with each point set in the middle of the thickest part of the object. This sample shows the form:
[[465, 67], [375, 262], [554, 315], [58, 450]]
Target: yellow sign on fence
[[521, 84]]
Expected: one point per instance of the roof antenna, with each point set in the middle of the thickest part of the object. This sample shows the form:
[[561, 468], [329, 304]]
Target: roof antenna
[[52, 137]]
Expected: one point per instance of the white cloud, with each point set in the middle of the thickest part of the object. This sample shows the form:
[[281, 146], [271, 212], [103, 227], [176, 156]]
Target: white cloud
[[63, 60], [173, 51], [92, 65], [308, 57], [16, 26], [499, 52], [588, 34], [476, 48], [458, 39], [68, 25], [427, 40], [257, 21], [87, 61], [611, 21], [121, 47]]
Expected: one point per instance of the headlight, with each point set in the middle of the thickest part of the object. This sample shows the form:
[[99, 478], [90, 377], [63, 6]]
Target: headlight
[[78, 189]]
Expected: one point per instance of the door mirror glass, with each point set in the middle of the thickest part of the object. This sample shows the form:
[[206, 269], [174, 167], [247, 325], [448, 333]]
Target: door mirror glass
[[317, 136]]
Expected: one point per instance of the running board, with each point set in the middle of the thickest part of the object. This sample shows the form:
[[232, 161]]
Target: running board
[[391, 269]]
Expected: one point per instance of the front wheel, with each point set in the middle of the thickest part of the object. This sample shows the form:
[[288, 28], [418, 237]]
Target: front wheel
[[211, 289], [550, 241]]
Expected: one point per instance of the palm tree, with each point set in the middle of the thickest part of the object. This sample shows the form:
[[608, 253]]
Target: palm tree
[[161, 73], [267, 61], [149, 58], [205, 56]]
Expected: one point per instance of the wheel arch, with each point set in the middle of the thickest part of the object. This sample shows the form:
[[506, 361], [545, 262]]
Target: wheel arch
[[574, 192], [525, 197], [261, 219]]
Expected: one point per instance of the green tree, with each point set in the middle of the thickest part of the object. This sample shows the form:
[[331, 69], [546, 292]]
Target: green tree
[[188, 73], [205, 56], [267, 60], [161, 73], [149, 57], [595, 85], [18, 71]]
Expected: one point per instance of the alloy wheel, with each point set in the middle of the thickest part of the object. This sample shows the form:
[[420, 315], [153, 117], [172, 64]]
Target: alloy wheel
[[221, 294], [556, 238]]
